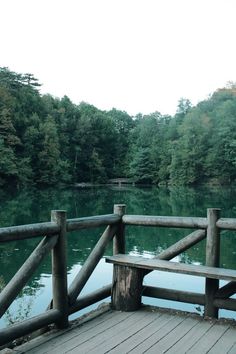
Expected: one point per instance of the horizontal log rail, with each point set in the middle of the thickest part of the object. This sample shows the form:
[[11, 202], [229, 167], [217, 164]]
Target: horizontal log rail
[[226, 291], [226, 224], [65, 301], [25, 327], [22, 232], [187, 297], [68, 300], [174, 295], [227, 304], [90, 222], [177, 222], [165, 221]]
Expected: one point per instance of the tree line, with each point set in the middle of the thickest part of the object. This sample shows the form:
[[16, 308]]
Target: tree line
[[46, 140]]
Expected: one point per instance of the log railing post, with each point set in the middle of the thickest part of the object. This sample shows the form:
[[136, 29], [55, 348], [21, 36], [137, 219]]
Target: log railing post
[[127, 281], [59, 269], [119, 238], [212, 260]]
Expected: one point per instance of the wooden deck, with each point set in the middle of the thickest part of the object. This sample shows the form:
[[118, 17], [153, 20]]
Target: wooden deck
[[149, 330]]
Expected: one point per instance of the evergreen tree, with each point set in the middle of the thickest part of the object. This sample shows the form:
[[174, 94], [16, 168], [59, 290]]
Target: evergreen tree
[[49, 156]]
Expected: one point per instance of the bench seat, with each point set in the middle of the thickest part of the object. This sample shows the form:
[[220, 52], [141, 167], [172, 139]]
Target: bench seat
[[174, 267]]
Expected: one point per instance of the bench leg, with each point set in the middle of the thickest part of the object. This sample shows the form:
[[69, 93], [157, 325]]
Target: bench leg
[[127, 288], [211, 287]]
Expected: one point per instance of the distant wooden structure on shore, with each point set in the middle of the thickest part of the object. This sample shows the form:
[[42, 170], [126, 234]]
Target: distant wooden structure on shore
[[121, 181]]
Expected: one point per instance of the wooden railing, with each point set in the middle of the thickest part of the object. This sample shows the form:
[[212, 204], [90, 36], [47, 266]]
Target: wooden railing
[[129, 298], [65, 300], [68, 300]]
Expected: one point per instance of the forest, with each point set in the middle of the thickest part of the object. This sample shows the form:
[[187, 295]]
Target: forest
[[46, 140]]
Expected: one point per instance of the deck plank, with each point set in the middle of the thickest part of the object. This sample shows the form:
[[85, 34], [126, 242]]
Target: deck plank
[[84, 333], [191, 337], [173, 337], [125, 333], [209, 339], [119, 331], [156, 336], [232, 350], [131, 342], [148, 330], [225, 343], [55, 337]]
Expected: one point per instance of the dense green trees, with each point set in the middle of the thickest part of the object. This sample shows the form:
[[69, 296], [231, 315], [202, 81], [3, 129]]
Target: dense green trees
[[46, 140]]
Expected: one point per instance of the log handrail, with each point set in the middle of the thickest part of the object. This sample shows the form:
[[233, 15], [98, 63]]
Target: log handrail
[[177, 221], [22, 232], [66, 301], [165, 221], [209, 227]]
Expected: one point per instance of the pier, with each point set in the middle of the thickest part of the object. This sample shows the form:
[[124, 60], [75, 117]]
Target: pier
[[124, 324], [121, 181]]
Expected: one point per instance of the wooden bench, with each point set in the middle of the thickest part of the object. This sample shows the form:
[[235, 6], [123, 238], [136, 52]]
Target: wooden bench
[[174, 267], [130, 270]]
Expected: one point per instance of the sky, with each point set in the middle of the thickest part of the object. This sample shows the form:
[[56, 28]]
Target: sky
[[139, 56]]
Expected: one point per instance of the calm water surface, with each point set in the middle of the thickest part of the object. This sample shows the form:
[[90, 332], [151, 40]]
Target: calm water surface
[[34, 206]]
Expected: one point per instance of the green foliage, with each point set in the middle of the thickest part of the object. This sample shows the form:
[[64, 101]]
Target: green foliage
[[141, 167], [46, 140]]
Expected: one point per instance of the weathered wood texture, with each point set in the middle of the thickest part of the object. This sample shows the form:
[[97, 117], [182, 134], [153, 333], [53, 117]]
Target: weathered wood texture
[[226, 291], [226, 223], [187, 296], [21, 232], [15, 285], [59, 269], [56, 241], [227, 304], [174, 295], [174, 267], [120, 295], [119, 238], [175, 221], [165, 221], [92, 221], [28, 326], [147, 330], [126, 288], [90, 264], [212, 260]]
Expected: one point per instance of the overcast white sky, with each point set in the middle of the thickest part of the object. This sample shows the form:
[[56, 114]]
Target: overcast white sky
[[134, 55]]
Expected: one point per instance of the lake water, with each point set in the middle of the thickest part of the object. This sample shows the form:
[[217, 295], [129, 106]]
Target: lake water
[[35, 205]]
